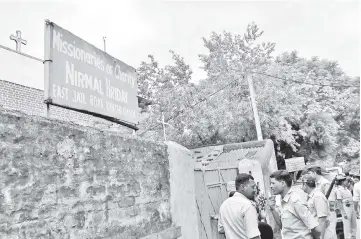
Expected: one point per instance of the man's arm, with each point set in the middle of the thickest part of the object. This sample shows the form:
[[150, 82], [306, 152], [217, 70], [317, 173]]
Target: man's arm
[[220, 224], [276, 216], [307, 218], [356, 199], [339, 203], [322, 221], [357, 209], [251, 223], [271, 203], [322, 209]]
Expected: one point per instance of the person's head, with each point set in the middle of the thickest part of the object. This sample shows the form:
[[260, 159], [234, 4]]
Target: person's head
[[342, 181], [245, 185], [314, 171], [281, 180], [356, 178], [308, 183], [265, 230]]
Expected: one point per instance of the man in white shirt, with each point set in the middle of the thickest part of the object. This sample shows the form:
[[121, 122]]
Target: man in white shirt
[[323, 185], [238, 218], [293, 215], [318, 205]]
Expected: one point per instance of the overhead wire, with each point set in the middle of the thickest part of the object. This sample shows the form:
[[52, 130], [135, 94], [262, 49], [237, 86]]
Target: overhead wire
[[192, 106], [222, 88], [301, 82]]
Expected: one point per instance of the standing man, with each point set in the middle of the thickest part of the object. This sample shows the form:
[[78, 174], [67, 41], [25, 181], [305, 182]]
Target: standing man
[[321, 182], [345, 201], [318, 205], [294, 217], [356, 201], [323, 185], [238, 218]]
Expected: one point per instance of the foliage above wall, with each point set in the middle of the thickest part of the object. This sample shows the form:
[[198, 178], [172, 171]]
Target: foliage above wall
[[298, 109]]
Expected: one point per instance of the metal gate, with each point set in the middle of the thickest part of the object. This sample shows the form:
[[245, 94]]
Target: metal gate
[[211, 191]]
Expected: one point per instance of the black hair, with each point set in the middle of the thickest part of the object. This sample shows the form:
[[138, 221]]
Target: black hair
[[340, 181], [311, 184], [282, 175], [242, 179], [265, 230], [231, 193], [315, 169]]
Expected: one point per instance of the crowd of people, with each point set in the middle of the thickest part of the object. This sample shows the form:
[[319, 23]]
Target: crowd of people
[[308, 212]]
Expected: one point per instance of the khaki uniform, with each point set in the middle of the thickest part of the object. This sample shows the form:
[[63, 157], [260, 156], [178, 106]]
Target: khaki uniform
[[297, 220], [323, 185], [356, 198], [319, 207], [349, 224]]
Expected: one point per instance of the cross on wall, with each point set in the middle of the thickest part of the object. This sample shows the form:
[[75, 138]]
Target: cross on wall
[[18, 40], [164, 124]]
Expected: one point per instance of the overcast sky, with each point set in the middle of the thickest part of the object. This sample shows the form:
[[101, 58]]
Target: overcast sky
[[134, 29]]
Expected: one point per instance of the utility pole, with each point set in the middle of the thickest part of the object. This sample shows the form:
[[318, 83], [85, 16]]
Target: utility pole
[[254, 106], [105, 49]]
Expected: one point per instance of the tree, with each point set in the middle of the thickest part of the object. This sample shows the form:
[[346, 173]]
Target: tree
[[305, 108], [317, 98], [168, 89]]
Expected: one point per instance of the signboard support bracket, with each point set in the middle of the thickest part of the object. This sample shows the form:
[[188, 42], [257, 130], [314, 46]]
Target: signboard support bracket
[[48, 60]]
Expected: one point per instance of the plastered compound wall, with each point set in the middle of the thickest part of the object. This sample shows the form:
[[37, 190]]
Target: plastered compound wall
[[59, 180]]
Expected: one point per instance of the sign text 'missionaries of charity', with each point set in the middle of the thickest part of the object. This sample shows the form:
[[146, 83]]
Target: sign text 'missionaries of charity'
[[82, 77]]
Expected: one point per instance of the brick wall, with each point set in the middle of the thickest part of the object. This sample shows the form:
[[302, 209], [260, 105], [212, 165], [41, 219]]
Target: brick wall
[[31, 101], [65, 181]]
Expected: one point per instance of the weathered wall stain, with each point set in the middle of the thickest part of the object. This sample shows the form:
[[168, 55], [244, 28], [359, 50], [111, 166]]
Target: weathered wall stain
[[65, 181]]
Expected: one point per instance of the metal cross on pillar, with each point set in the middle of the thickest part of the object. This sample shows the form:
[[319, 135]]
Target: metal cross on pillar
[[105, 49], [164, 124], [18, 40]]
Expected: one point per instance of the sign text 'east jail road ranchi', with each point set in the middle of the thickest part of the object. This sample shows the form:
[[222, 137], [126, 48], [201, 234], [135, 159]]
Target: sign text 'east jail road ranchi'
[[83, 77]]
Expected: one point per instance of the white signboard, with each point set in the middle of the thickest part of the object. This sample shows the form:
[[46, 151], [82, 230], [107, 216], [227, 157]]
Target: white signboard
[[295, 164], [81, 77]]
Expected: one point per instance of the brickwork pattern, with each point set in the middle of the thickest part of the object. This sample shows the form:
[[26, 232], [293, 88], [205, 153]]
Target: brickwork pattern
[[31, 101]]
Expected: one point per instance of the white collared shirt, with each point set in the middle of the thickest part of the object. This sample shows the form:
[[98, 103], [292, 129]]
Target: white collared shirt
[[238, 218], [323, 185], [297, 220]]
